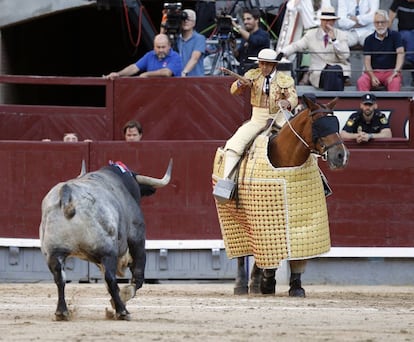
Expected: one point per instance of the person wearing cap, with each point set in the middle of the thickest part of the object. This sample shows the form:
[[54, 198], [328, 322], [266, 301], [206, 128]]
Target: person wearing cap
[[191, 46], [272, 96], [162, 61], [253, 40], [383, 57], [367, 123], [327, 45], [357, 19]]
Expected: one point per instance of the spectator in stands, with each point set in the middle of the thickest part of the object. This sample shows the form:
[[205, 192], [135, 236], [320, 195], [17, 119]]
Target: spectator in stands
[[404, 11], [328, 47], [383, 57], [309, 12], [70, 137], [132, 131], [253, 40], [191, 46], [367, 123], [162, 61], [357, 19]]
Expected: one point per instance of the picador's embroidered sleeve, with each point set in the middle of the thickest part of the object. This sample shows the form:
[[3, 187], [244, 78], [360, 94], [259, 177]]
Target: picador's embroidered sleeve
[[251, 75], [284, 90]]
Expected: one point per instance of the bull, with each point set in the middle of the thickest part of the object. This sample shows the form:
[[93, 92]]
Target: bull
[[97, 217]]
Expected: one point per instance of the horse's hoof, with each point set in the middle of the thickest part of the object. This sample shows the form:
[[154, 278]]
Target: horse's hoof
[[297, 292], [62, 316], [241, 290], [254, 289], [268, 286]]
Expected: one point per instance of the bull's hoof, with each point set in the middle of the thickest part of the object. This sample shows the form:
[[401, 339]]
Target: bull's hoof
[[240, 290], [268, 286], [297, 292], [62, 316], [127, 292], [123, 316]]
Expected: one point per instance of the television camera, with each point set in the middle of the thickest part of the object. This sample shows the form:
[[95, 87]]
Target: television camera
[[224, 26], [175, 15]]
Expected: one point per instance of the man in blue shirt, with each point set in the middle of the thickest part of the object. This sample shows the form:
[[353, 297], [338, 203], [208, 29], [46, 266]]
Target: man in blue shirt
[[383, 57], [191, 46], [160, 62]]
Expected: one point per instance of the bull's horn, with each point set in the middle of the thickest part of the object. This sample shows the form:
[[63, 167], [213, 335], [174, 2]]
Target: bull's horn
[[155, 182], [83, 169]]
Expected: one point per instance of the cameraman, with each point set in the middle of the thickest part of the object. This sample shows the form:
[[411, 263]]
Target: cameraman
[[191, 46], [253, 37]]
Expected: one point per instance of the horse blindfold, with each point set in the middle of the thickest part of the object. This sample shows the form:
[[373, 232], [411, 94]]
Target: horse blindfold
[[325, 126]]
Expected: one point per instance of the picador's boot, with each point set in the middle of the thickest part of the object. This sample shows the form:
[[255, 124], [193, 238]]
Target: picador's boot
[[295, 283], [224, 189], [268, 283]]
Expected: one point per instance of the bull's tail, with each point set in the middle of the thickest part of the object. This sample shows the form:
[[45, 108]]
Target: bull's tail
[[66, 202]]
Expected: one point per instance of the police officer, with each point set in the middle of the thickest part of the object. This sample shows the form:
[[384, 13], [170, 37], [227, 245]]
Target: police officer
[[367, 123]]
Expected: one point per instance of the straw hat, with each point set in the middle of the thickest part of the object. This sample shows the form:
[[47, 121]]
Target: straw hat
[[328, 13], [267, 55]]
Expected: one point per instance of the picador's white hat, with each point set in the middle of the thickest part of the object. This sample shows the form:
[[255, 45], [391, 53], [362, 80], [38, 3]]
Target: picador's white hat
[[266, 55]]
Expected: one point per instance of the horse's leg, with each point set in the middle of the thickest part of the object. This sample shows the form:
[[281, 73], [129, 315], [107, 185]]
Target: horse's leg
[[255, 279], [240, 287], [268, 283], [297, 267], [56, 264]]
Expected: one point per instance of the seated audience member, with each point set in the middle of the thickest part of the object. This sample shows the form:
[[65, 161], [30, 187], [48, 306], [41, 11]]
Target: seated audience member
[[383, 57], [309, 12], [367, 123], [162, 61], [70, 137], [404, 11], [329, 53], [191, 46], [357, 19], [132, 131]]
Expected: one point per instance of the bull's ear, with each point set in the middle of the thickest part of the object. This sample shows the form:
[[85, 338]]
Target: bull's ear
[[83, 169]]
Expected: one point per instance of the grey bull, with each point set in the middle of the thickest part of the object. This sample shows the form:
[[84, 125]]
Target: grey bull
[[95, 217]]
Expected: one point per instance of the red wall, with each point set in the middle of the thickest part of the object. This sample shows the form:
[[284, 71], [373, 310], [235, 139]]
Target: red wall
[[187, 119]]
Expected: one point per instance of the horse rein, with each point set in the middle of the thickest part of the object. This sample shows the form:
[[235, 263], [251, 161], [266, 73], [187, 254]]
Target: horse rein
[[316, 114]]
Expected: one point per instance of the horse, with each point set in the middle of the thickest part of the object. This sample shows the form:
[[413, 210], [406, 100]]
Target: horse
[[314, 130]]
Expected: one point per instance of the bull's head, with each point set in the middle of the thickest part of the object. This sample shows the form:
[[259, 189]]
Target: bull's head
[[155, 182]]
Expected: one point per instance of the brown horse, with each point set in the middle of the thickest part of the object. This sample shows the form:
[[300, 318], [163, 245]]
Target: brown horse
[[314, 130]]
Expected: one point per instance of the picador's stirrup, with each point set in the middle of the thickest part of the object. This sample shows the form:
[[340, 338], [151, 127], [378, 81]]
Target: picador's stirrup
[[295, 283], [224, 190]]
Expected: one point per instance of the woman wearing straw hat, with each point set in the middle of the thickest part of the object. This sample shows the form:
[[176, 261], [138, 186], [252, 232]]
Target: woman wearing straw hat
[[271, 90]]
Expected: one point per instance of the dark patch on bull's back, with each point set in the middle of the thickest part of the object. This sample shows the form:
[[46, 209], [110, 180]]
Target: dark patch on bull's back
[[66, 202]]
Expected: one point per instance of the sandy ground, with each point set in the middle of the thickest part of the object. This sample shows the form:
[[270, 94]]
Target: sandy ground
[[209, 312]]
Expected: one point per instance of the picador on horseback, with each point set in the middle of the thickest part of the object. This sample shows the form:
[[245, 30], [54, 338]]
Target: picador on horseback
[[271, 90], [280, 212]]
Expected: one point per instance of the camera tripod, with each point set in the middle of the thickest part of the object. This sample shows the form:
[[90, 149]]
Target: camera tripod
[[224, 57]]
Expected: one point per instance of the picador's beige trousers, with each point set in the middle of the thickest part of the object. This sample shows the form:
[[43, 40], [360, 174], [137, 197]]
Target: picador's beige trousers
[[248, 130]]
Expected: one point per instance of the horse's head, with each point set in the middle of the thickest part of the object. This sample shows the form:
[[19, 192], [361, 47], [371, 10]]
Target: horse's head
[[325, 134]]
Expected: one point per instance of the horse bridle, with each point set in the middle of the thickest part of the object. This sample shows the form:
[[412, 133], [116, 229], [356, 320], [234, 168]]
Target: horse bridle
[[316, 114]]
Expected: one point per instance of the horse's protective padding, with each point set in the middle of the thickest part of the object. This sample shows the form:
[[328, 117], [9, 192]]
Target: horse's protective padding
[[281, 213]]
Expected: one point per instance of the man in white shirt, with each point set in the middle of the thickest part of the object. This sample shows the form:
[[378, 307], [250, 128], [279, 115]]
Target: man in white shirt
[[357, 19]]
